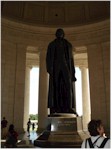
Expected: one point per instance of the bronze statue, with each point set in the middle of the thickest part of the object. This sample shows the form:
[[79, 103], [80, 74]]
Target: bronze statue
[[60, 66]]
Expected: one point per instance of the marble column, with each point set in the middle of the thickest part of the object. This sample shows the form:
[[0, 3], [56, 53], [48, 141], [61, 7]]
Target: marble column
[[43, 92], [8, 79], [27, 96], [18, 104], [85, 98], [106, 71], [13, 81]]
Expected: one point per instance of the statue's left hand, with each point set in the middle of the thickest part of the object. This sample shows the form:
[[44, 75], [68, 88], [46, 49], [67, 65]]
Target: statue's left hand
[[74, 79]]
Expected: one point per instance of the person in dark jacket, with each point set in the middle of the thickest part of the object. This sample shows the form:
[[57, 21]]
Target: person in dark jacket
[[4, 123], [28, 126], [11, 140], [60, 66]]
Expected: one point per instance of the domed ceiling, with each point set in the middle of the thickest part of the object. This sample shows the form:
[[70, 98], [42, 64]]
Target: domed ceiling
[[53, 13]]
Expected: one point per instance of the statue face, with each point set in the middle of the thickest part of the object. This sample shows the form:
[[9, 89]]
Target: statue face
[[60, 33]]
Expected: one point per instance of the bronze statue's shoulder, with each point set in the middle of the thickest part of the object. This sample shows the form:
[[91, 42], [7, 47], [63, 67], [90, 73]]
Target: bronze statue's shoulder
[[68, 43], [52, 42]]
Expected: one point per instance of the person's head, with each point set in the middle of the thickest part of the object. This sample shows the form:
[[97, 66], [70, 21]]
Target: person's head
[[3, 118], [100, 128], [11, 127], [95, 128], [60, 33]]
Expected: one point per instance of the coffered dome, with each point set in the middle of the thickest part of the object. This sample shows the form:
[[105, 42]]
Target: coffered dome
[[53, 13]]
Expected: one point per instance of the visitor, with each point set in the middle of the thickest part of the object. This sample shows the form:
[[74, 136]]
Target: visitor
[[4, 123], [97, 138], [28, 127], [11, 140]]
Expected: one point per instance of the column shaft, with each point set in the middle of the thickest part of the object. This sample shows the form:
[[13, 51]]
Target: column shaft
[[43, 92], [19, 88], [27, 98], [85, 98], [13, 62]]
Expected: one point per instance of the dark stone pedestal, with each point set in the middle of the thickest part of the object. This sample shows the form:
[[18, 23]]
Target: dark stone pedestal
[[61, 133]]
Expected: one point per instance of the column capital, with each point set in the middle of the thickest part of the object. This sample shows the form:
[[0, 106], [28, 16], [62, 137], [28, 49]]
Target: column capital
[[29, 66], [83, 67]]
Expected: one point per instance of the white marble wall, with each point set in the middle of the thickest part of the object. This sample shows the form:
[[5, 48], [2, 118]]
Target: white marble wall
[[99, 74]]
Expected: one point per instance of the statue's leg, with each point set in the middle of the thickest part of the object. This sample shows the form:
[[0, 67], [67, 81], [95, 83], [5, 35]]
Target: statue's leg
[[56, 82], [67, 80]]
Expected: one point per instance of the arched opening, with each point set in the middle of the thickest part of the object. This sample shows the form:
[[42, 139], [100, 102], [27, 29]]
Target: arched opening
[[31, 86]]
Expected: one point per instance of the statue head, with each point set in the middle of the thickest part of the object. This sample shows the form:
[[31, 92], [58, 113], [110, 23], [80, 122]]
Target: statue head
[[60, 33]]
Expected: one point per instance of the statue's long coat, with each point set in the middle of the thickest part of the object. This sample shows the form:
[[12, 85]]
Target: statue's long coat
[[53, 66]]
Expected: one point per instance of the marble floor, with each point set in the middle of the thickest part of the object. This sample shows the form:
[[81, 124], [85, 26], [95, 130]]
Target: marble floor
[[25, 141]]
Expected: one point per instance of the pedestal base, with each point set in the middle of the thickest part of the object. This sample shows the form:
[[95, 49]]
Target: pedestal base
[[61, 133]]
